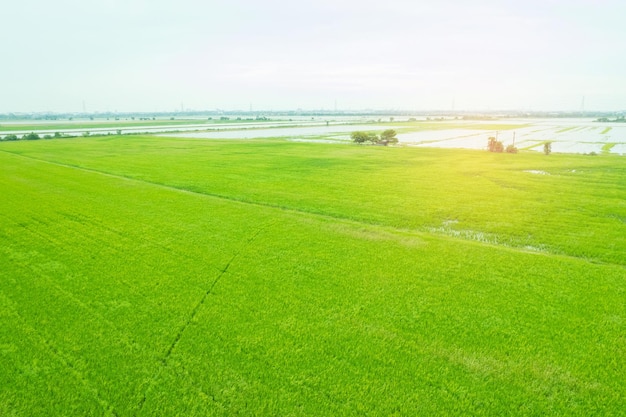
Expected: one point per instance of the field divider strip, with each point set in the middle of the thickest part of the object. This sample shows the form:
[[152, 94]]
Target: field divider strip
[[164, 360], [425, 230]]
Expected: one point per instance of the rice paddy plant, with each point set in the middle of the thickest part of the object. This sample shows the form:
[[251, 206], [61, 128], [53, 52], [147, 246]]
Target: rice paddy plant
[[143, 276]]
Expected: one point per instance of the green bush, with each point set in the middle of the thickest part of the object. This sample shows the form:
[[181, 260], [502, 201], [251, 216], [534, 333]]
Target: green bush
[[388, 136], [362, 137], [31, 136]]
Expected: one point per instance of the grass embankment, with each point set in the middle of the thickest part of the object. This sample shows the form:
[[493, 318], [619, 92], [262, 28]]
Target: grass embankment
[[144, 275], [112, 124]]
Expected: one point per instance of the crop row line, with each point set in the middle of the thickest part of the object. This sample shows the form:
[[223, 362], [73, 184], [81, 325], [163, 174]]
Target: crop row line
[[198, 306]]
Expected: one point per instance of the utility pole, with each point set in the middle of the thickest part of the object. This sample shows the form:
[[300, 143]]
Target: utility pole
[[582, 107]]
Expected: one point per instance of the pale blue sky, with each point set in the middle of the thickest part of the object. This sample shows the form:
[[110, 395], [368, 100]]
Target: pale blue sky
[[140, 55]]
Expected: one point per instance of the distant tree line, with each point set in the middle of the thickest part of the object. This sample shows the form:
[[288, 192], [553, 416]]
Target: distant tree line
[[31, 136], [56, 135], [618, 119]]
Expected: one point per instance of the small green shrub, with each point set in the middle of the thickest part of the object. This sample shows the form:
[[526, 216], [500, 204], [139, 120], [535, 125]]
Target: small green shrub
[[10, 137], [547, 148]]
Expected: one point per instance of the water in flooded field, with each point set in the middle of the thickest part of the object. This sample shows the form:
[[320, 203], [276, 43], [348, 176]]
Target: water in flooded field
[[566, 135], [286, 132], [588, 137]]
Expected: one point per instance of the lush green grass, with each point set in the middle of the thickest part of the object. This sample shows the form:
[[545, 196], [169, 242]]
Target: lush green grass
[[149, 276], [500, 198]]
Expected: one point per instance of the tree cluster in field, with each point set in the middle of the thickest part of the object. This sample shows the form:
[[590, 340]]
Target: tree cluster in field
[[618, 119], [495, 145], [387, 137]]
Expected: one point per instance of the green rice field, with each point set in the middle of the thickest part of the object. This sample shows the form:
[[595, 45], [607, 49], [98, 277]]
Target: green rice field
[[145, 276]]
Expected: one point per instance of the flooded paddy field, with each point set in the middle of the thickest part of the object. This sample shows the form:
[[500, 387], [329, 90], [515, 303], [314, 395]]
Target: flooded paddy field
[[78, 128], [298, 133], [579, 136], [574, 137], [582, 136]]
